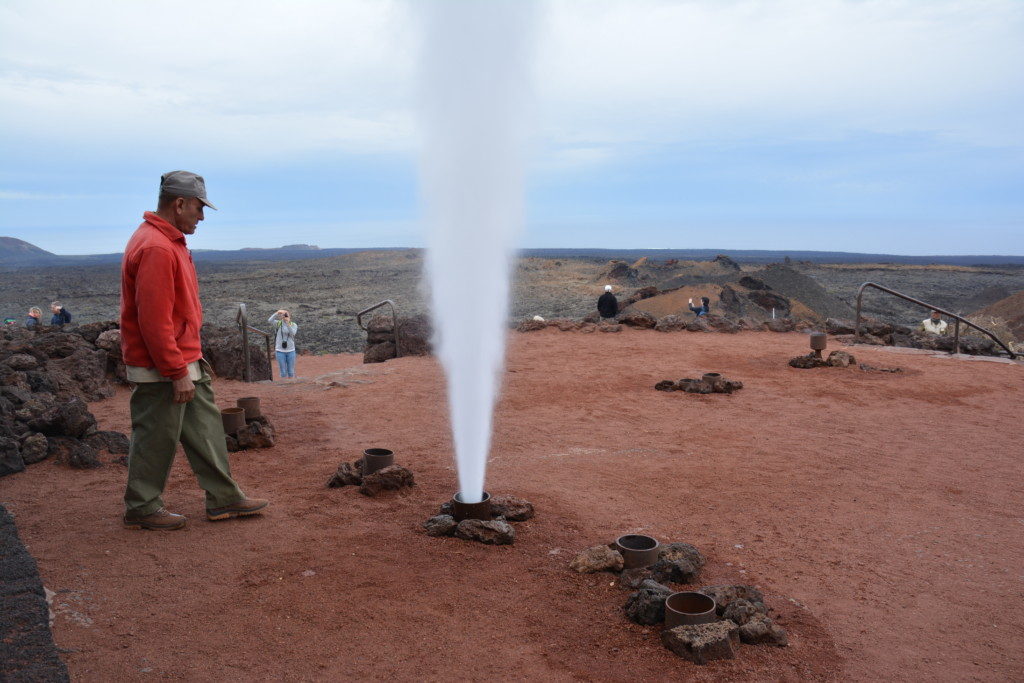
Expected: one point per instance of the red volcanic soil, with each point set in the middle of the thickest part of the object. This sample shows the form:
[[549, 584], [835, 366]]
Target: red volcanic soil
[[881, 514]]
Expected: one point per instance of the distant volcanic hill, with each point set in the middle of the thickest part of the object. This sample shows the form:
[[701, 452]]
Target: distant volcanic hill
[[13, 250]]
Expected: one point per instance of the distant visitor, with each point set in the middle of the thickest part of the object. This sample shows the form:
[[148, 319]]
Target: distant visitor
[[61, 317], [704, 307], [607, 304], [285, 341], [35, 314], [935, 324], [172, 399]]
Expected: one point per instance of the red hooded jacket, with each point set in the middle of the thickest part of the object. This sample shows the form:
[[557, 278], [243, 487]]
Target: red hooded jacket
[[160, 310]]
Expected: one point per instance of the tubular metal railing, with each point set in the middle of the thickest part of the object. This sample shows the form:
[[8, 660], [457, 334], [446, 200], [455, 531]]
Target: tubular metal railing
[[242, 319], [956, 330], [394, 321]]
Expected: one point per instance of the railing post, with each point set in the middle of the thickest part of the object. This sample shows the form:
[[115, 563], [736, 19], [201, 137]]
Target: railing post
[[244, 322], [956, 337], [860, 295]]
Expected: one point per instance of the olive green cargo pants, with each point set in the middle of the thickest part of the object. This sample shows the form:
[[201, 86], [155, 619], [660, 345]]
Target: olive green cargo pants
[[158, 425]]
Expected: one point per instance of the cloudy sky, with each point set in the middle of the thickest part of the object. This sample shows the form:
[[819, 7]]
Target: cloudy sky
[[857, 125]]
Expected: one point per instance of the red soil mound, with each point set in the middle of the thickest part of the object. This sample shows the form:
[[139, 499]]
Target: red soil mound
[[1010, 309], [878, 512]]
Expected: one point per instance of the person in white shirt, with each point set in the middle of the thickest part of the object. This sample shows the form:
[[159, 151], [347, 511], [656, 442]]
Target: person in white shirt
[[285, 342], [935, 324]]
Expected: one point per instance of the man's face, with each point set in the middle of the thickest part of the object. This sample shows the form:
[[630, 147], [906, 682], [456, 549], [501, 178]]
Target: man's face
[[55, 309], [188, 211], [936, 316]]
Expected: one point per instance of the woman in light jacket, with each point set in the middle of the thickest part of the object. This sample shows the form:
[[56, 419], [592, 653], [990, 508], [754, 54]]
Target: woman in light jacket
[[285, 342]]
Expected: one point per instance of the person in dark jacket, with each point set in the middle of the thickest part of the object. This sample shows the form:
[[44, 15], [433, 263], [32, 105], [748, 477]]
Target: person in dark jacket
[[607, 304], [703, 309], [34, 314], [61, 317]]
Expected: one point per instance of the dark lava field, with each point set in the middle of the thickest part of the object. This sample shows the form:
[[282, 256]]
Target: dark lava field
[[325, 294]]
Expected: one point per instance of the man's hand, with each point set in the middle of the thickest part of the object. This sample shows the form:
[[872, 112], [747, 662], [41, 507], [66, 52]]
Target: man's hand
[[184, 390]]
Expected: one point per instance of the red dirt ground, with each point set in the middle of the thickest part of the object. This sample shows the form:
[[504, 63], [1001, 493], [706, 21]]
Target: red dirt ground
[[880, 513]]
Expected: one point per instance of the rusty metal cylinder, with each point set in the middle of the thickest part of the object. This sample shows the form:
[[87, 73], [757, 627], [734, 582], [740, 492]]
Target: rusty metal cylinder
[[233, 420], [377, 459], [637, 550], [819, 341], [689, 608], [481, 510], [251, 406]]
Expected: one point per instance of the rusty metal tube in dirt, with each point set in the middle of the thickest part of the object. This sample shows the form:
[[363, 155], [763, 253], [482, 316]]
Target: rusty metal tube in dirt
[[819, 341], [233, 419], [481, 510], [377, 459], [251, 406], [689, 608], [637, 550]]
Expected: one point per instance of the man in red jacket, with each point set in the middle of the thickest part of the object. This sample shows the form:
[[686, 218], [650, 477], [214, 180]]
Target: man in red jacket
[[172, 400]]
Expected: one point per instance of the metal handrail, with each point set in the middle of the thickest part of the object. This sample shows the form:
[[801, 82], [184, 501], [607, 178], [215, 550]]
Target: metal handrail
[[242, 320], [959, 319], [394, 321]]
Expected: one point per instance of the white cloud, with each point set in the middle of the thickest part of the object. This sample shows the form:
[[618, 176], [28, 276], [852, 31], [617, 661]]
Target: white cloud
[[267, 80]]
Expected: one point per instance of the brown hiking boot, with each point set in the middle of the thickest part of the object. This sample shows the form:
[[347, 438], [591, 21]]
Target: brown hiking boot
[[242, 508], [161, 520]]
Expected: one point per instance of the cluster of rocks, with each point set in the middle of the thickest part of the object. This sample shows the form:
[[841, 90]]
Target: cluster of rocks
[[741, 613], [880, 333], [48, 374], [390, 478], [258, 432], [669, 323], [494, 531], [46, 378], [836, 359], [413, 338], [711, 383]]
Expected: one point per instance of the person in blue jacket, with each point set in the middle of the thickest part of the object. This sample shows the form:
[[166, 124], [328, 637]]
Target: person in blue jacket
[[703, 309], [61, 317]]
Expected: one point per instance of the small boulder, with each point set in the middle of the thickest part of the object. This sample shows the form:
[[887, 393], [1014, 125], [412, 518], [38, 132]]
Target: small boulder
[[741, 611], [390, 478], [700, 324], [677, 563], [702, 643], [780, 325], [231, 443], [72, 452], [761, 630], [114, 443], [255, 435], [347, 474], [647, 605], [840, 359], [724, 595], [34, 448], [492, 532], [378, 353], [610, 327], [11, 460], [596, 559], [807, 362], [638, 319], [531, 325], [440, 525], [22, 361], [670, 323], [511, 508], [665, 385]]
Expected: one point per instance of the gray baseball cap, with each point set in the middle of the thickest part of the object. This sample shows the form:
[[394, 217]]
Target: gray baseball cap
[[185, 184]]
